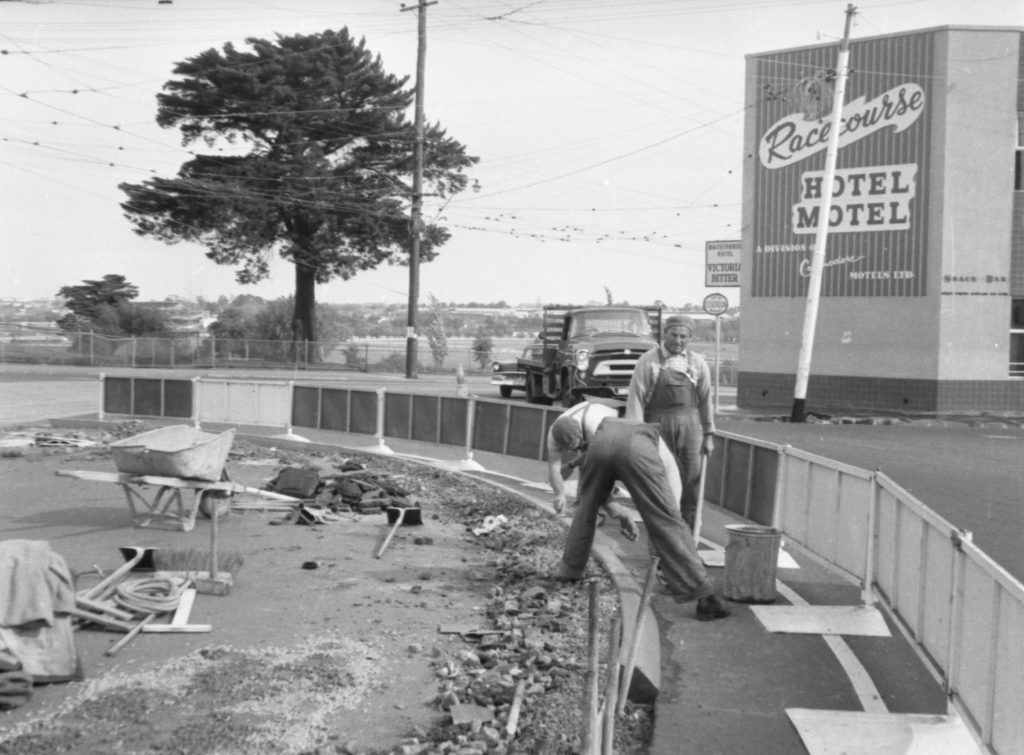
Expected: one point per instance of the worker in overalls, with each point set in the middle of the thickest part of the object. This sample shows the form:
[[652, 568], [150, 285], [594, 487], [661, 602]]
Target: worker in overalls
[[628, 452], [671, 387]]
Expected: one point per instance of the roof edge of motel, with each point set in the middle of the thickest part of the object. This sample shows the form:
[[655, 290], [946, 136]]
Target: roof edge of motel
[[855, 40]]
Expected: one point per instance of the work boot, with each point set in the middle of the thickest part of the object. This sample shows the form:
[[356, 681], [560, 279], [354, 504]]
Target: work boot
[[562, 572], [711, 608]]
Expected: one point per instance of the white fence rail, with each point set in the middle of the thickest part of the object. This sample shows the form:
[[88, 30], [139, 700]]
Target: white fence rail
[[961, 610]]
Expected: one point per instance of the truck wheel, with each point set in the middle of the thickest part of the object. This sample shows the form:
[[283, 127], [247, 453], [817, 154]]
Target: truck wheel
[[505, 391]]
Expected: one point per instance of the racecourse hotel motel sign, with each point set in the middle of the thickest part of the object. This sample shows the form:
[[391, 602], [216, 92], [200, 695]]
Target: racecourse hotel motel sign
[[877, 220]]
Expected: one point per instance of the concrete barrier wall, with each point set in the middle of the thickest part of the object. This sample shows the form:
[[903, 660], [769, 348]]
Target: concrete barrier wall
[[245, 402], [148, 397], [742, 478], [962, 611]]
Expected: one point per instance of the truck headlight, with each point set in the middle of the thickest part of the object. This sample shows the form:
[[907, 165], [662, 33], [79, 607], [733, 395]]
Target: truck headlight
[[582, 360], [496, 367]]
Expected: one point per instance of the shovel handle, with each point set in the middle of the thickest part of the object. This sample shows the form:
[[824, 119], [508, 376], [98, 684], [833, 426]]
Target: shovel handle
[[398, 523], [100, 589], [697, 515], [264, 493]]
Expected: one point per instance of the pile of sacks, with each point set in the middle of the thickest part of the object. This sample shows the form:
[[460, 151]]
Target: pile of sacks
[[348, 487]]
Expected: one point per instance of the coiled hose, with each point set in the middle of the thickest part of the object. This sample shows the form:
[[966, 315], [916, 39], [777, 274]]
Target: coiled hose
[[149, 594]]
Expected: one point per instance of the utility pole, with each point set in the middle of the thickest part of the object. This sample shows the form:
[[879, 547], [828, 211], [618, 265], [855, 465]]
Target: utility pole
[[803, 370], [415, 221]]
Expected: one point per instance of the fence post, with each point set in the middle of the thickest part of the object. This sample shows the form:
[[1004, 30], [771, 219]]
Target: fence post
[[956, 621], [196, 381], [867, 594], [381, 447], [134, 347], [289, 433], [103, 394], [780, 487], [172, 351], [468, 462], [213, 350], [92, 349]]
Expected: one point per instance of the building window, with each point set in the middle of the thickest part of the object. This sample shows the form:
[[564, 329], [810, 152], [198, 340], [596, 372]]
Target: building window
[[1017, 338]]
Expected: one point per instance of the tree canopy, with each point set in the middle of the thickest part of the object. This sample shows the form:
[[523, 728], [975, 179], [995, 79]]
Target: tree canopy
[[312, 159], [105, 306], [84, 300]]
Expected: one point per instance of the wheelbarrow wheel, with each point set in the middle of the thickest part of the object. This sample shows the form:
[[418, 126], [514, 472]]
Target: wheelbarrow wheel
[[221, 499]]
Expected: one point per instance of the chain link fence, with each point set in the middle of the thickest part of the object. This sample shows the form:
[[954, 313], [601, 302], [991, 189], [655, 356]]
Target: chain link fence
[[384, 355], [95, 350]]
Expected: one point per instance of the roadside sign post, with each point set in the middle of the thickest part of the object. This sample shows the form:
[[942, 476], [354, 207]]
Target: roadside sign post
[[717, 305]]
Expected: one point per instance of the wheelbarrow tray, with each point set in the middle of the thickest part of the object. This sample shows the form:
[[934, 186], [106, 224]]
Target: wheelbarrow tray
[[174, 451]]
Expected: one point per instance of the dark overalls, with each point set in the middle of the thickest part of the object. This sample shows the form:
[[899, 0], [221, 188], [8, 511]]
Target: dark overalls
[[673, 407], [626, 451]]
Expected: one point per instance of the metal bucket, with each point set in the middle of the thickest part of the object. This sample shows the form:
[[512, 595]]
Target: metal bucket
[[751, 562]]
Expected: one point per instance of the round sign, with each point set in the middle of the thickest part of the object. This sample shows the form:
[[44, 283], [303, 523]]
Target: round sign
[[716, 304]]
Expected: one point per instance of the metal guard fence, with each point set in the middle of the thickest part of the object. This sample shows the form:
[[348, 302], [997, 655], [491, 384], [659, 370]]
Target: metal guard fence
[[963, 612]]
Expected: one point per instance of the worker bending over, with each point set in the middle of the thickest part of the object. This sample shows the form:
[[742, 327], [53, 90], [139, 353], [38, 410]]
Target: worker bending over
[[629, 452]]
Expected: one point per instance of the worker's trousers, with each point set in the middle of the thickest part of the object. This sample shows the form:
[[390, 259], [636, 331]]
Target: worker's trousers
[[627, 451]]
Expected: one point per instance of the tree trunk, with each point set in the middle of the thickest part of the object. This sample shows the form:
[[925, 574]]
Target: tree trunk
[[304, 319]]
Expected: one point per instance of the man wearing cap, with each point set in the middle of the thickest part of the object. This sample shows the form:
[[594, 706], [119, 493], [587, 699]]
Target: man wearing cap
[[671, 387], [628, 452]]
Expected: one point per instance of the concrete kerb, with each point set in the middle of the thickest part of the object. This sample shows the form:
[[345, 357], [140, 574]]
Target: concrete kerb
[[646, 681]]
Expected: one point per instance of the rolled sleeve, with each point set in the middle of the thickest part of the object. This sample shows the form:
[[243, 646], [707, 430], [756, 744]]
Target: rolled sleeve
[[707, 414], [640, 386]]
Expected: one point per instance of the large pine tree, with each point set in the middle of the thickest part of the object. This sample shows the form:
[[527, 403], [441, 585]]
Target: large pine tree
[[310, 157]]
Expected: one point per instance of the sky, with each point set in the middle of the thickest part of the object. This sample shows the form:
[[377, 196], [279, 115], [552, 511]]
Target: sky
[[610, 135]]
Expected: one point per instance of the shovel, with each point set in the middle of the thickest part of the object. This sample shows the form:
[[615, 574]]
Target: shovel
[[397, 516], [134, 558]]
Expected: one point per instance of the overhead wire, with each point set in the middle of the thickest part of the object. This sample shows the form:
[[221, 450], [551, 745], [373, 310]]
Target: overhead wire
[[578, 171]]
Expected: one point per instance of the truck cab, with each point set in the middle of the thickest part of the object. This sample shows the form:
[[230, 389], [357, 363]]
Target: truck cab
[[589, 352]]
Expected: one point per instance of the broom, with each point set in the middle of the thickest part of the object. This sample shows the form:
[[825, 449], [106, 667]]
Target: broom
[[193, 563]]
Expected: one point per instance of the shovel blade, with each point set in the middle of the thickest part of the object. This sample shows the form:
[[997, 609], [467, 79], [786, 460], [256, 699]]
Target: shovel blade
[[407, 515]]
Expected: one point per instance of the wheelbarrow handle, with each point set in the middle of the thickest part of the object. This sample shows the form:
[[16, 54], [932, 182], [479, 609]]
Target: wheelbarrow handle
[[391, 533]]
